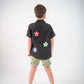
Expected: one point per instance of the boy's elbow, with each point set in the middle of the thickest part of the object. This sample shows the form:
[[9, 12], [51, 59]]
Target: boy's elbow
[[51, 39], [29, 39]]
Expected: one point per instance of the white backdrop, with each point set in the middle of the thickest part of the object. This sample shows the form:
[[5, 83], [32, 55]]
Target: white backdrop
[[66, 18]]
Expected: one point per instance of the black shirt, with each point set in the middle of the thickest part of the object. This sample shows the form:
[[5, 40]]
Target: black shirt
[[40, 32]]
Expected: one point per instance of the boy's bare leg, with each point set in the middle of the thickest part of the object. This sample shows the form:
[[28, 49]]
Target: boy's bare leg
[[49, 73], [32, 73]]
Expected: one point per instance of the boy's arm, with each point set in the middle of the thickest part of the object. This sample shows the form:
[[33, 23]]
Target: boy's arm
[[52, 43], [29, 45]]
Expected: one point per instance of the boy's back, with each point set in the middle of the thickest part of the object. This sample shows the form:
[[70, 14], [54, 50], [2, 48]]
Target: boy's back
[[41, 33]]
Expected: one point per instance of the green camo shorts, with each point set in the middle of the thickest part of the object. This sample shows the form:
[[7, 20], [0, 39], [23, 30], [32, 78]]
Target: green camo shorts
[[35, 62]]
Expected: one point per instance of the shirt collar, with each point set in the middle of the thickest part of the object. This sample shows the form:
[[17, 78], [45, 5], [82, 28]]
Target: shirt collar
[[40, 21]]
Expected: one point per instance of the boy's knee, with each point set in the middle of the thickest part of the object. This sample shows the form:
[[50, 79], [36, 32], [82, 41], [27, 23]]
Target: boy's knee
[[34, 68], [47, 68]]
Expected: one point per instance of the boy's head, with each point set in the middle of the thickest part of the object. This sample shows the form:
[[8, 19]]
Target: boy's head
[[40, 11]]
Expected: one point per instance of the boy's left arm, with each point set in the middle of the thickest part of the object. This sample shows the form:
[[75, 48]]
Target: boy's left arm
[[52, 44], [29, 45]]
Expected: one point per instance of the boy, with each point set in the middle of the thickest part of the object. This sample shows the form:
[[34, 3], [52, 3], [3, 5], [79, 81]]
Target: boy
[[40, 43]]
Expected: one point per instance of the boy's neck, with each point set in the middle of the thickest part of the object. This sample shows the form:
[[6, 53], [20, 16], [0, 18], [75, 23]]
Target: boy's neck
[[40, 18]]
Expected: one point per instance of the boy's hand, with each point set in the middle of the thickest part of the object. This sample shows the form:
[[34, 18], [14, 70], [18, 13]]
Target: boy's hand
[[29, 54]]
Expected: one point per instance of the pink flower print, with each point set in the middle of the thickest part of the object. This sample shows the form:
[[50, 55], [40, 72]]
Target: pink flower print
[[36, 33]]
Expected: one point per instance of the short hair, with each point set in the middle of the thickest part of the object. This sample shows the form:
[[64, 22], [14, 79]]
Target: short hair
[[39, 10]]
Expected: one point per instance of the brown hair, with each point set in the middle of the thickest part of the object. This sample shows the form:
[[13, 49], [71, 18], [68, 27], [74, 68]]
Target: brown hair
[[39, 10]]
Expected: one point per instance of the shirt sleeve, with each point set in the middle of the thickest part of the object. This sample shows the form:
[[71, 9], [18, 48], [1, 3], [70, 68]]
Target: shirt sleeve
[[29, 32], [52, 33]]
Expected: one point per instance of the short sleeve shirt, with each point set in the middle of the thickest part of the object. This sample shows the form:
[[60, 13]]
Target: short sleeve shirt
[[40, 32]]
